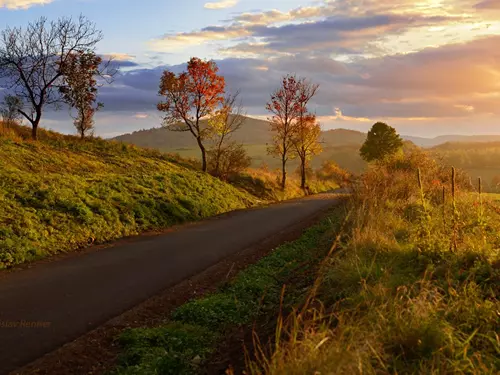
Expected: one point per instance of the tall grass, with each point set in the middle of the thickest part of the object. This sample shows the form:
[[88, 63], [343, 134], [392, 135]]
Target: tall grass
[[409, 291]]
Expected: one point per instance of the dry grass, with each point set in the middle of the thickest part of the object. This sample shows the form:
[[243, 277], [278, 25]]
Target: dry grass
[[412, 289]]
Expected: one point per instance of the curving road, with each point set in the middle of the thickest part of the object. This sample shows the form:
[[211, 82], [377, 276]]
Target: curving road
[[56, 302]]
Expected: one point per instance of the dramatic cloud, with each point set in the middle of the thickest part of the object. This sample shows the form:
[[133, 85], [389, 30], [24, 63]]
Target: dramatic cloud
[[22, 4], [119, 56], [222, 4], [342, 27], [437, 85]]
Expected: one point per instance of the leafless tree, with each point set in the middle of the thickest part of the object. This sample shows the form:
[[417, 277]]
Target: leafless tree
[[31, 59]]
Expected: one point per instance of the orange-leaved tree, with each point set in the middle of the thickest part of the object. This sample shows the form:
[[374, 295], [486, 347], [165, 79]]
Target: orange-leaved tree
[[79, 89], [306, 133], [285, 109], [191, 96], [306, 143]]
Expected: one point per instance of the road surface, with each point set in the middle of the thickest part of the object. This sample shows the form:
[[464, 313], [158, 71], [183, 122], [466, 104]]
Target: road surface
[[43, 307]]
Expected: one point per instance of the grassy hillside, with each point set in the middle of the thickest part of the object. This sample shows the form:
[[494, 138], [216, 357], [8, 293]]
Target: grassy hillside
[[60, 193]]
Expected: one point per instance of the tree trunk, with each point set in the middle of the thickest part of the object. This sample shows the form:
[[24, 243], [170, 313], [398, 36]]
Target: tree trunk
[[217, 163], [34, 130], [203, 155], [283, 173], [303, 173], [34, 125]]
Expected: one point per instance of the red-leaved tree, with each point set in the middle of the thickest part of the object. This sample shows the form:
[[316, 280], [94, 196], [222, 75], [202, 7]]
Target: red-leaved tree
[[191, 96], [285, 109]]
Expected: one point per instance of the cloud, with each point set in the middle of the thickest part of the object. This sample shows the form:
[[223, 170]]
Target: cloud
[[22, 4], [488, 4], [221, 4], [141, 116], [339, 26], [118, 56], [453, 81], [208, 34]]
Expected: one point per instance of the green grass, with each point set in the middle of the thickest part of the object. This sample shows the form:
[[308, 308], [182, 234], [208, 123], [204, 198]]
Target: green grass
[[60, 194], [184, 344], [414, 288]]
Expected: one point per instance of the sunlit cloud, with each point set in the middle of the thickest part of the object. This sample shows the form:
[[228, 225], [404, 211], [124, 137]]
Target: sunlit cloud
[[466, 108], [141, 116], [208, 34], [119, 56], [488, 4], [222, 4], [22, 4]]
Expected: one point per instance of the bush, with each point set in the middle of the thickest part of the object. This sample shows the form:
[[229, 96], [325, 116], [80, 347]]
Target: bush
[[228, 161]]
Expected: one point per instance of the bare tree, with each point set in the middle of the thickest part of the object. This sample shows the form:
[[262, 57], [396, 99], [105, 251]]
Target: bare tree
[[31, 59], [227, 120], [9, 109]]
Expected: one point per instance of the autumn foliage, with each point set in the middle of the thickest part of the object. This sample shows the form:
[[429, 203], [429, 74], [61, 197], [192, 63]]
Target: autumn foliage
[[191, 96], [79, 90], [295, 130]]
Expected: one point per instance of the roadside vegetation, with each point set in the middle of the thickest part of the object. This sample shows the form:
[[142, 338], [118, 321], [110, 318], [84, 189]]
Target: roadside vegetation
[[412, 289], [193, 332]]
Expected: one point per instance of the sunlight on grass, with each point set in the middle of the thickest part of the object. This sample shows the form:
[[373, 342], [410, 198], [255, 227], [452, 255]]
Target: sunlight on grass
[[61, 194]]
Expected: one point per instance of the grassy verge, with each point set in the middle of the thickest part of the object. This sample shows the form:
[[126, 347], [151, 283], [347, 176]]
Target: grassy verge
[[194, 330], [413, 290], [265, 184], [60, 194]]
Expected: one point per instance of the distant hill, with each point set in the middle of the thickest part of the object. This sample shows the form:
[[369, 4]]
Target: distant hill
[[432, 142], [253, 132], [342, 137], [340, 145]]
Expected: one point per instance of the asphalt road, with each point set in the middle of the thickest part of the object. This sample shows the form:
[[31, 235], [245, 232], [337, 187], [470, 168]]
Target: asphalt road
[[66, 298]]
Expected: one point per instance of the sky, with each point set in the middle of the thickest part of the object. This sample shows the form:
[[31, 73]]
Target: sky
[[426, 67]]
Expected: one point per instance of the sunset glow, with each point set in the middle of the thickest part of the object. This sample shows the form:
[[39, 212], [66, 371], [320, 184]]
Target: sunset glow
[[424, 66]]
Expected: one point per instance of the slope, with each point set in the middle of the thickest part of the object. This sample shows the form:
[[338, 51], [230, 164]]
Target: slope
[[60, 194]]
